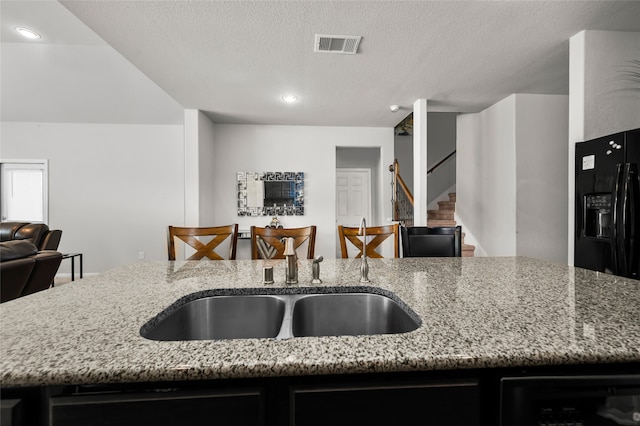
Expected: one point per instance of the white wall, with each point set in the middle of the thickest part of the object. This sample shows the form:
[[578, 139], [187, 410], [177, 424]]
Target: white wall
[[208, 173], [403, 152], [601, 101], [420, 158], [199, 173], [308, 149], [542, 126], [191, 202], [486, 176], [511, 191], [113, 189], [609, 104], [78, 83], [441, 140]]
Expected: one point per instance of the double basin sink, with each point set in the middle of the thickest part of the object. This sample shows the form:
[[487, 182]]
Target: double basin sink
[[281, 316]]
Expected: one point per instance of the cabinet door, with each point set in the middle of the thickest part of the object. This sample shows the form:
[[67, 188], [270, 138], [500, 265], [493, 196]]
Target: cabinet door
[[11, 412], [429, 403], [229, 408]]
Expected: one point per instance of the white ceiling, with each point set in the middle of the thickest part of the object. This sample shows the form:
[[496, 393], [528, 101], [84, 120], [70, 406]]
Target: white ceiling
[[234, 59], [71, 75]]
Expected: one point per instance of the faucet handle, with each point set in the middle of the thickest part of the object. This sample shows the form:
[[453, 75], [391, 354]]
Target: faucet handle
[[315, 270], [288, 247]]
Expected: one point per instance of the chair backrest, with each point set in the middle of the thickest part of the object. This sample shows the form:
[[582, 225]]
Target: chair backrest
[[33, 232], [197, 239], [8, 230], [37, 233], [378, 233], [423, 241], [268, 243]]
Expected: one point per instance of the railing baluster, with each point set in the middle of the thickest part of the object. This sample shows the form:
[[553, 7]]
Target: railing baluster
[[402, 199]]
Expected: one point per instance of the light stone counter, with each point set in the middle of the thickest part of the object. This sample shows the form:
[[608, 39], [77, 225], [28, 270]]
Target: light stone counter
[[475, 312]]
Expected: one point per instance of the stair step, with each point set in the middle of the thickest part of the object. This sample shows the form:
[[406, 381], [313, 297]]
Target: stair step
[[447, 205], [468, 253], [440, 214], [444, 216], [440, 222]]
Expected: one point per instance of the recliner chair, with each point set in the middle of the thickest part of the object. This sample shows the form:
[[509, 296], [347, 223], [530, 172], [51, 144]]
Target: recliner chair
[[25, 270], [37, 233]]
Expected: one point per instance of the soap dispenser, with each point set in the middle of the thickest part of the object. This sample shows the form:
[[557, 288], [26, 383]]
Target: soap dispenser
[[291, 262]]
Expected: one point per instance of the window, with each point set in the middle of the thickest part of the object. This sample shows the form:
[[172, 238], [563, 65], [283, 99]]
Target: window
[[24, 190]]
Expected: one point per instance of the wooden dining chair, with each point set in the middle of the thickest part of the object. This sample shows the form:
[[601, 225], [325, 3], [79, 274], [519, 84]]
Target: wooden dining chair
[[439, 241], [379, 235], [268, 243], [204, 241]]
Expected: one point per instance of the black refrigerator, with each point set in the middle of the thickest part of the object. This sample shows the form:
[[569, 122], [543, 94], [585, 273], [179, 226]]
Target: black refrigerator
[[608, 204]]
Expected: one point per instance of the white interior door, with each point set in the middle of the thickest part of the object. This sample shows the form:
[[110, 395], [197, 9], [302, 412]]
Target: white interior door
[[353, 198], [24, 191]]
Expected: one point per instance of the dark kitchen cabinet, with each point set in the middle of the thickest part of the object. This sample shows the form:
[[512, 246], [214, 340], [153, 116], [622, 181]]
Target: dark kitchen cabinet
[[11, 412], [446, 402], [243, 407], [471, 397]]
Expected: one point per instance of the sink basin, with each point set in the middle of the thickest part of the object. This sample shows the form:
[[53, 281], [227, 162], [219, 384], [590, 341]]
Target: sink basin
[[281, 316], [349, 314], [222, 317]]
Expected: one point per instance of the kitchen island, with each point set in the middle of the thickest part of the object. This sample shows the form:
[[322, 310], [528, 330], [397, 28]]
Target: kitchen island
[[477, 314]]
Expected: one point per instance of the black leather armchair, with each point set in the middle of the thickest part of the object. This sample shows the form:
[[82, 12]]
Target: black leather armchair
[[29, 258], [38, 234], [25, 270]]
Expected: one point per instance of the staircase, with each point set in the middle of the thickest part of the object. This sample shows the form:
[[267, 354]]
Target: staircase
[[444, 217]]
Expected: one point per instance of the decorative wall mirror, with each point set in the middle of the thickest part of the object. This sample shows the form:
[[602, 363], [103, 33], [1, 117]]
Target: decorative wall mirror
[[270, 193]]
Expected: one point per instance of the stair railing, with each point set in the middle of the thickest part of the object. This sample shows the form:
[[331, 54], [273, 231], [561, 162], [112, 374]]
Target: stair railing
[[431, 170], [401, 197]]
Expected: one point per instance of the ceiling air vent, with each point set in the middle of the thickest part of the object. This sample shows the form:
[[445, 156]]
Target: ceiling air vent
[[337, 44]]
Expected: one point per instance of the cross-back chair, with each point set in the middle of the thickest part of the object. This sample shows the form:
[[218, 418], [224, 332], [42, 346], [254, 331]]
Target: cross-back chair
[[197, 239], [376, 235], [439, 241], [268, 243]]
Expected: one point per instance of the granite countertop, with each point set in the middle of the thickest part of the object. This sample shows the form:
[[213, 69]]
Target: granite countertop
[[475, 312]]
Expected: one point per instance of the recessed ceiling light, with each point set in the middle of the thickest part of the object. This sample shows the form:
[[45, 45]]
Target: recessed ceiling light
[[26, 32], [290, 98]]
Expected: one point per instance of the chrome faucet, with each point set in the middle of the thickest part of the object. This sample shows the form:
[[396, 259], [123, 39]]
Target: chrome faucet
[[291, 262], [364, 266]]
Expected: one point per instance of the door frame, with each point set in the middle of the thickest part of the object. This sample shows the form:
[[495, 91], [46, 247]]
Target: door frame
[[44, 163]]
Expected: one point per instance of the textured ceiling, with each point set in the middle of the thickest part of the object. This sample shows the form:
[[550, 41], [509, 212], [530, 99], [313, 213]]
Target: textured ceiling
[[234, 59]]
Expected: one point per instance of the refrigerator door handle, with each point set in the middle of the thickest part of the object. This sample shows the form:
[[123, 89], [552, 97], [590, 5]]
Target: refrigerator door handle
[[616, 217], [623, 238], [626, 250], [632, 197]]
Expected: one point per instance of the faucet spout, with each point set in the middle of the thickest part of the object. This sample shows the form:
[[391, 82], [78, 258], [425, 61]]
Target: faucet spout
[[364, 265]]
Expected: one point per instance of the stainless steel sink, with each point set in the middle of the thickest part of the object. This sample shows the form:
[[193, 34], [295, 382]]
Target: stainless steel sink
[[221, 317], [349, 314], [281, 316]]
